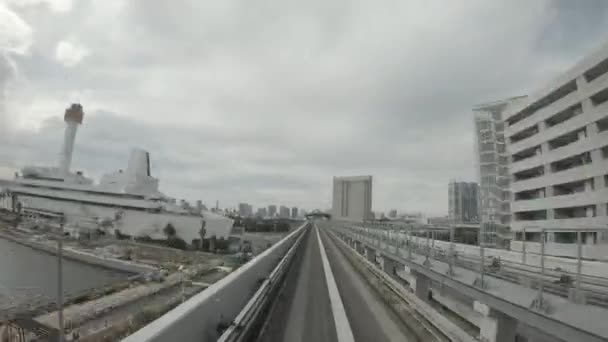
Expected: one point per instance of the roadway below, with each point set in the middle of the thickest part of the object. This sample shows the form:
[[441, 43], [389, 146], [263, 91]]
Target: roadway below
[[340, 307]]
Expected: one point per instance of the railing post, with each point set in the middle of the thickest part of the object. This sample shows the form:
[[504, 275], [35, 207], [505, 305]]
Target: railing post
[[523, 247], [427, 262], [579, 261]]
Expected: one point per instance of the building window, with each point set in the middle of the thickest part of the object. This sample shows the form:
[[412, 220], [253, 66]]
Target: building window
[[530, 173], [602, 125], [527, 153], [530, 194], [526, 133], [573, 187], [571, 162], [543, 102], [605, 152], [575, 212], [599, 97], [564, 115], [565, 237], [533, 215], [597, 71], [567, 138]]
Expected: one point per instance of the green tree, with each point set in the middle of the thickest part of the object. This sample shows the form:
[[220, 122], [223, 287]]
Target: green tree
[[169, 231]]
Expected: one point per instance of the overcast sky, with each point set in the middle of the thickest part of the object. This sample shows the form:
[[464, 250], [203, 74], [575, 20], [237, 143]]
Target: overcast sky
[[265, 101]]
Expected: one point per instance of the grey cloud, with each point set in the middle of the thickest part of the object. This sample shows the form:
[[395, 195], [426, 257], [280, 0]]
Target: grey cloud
[[266, 101]]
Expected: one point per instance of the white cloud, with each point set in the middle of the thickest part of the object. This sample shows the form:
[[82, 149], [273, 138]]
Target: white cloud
[[15, 34], [70, 54], [59, 6]]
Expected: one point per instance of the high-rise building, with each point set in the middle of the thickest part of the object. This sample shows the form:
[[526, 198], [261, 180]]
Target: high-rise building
[[294, 212], [245, 209], [261, 212], [558, 145], [352, 198], [463, 199], [272, 210], [283, 212], [493, 174], [392, 214]]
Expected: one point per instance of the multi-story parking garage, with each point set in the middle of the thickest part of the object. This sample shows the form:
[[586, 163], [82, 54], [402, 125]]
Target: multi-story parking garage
[[558, 149]]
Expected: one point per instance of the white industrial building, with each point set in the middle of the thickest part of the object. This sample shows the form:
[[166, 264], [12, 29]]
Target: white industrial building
[[558, 149], [352, 198], [128, 201]]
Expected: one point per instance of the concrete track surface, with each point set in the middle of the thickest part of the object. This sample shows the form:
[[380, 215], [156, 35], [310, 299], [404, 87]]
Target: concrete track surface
[[309, 310]]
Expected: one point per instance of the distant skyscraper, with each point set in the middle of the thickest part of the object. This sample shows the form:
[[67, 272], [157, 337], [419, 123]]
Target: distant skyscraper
[[283, 212], [352, 198], [244, 209], [294, 212], [272, 210], [392, 214], [463, 199], [261, 212]]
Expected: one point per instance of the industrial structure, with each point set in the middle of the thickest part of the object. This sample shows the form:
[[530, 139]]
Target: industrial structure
[[126, 201], [558, 145], [493, 175], [463, 199], [352, 198]]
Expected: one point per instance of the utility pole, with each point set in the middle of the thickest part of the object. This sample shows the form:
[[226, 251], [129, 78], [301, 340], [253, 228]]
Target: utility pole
[[60, 281]]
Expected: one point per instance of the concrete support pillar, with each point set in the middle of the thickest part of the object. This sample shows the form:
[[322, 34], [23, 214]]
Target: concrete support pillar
[[545, 148], [592, 129], [589, 212], [550, 214], [550, 237], [422, 286], [370, 254], [588, 239], [596, 156], [599, 182], [359, 247], [582, 135], [390, 266], [549, 191], [589, 185], [494, 325], [602, 209], [587, 105]]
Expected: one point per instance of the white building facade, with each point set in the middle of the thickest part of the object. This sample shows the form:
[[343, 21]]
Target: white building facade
[[558, 152], [352, 198]]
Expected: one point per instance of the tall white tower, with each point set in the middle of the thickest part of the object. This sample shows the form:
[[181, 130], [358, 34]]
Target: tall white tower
[[73, 117]]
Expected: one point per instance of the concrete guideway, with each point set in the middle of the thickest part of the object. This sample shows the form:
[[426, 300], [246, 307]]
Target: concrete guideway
[[309, 310], [345, 334], [370, 317]]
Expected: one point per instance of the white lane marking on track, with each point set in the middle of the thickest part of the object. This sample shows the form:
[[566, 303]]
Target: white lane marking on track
[[345, 334]]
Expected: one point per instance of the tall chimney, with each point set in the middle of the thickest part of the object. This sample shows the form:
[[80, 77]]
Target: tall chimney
[[73, 117]]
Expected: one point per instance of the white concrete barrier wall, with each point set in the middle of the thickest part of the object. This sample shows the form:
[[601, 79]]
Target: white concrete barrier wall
[[198, 318]]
